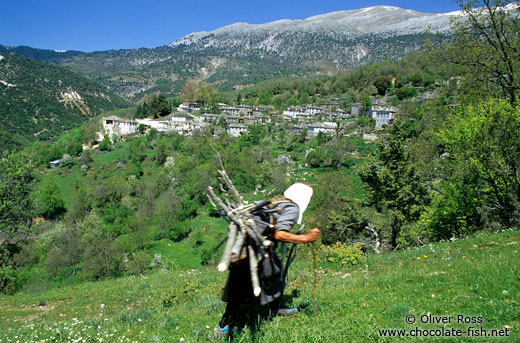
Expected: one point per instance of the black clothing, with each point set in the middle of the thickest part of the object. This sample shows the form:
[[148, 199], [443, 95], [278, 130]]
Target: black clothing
[[239, 288]]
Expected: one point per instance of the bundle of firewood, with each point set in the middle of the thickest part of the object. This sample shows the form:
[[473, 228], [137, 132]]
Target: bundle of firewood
[[244, 238]]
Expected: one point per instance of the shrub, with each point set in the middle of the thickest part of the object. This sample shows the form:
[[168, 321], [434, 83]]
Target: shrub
[[49, 200], [105, 144], [139, 263], [341, 253], [406, 92]]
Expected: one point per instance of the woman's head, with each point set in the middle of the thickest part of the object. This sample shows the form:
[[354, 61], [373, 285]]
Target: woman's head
[[301, 195]]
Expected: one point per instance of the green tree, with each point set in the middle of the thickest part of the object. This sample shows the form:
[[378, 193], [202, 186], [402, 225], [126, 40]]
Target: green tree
[[159, 106], [16, 211], [101, 256], [292, 101], [265, 98], [406, 93], [106, 144], [382, 83], [49, 200], [256, 132], [80, 206], [71, 142], [189, 91], [155, 105], [206, 93], [64, 248], [416, 80], [395, 187], [488, 35], [483, 143], [304, 98], [139, 231], [366, 105]]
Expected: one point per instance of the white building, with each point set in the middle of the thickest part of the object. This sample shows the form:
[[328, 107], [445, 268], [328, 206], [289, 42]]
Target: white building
[[236, 129], [383, 115], [115, 126], [302, 112], [182, 123]]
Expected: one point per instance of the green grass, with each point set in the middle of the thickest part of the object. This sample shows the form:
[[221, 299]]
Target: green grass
[[108, 158], [66, 183], [479, 276], [178, 252], [363, 147]]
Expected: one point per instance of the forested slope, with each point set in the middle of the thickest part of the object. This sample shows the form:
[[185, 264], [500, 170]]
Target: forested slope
[[39, 101]]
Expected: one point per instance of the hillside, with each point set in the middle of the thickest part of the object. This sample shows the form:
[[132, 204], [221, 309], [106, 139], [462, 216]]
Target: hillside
[[474, 277], [242, 54], [39, 101]]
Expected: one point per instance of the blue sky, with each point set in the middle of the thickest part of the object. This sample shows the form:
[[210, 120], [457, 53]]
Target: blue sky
[[92, 25]]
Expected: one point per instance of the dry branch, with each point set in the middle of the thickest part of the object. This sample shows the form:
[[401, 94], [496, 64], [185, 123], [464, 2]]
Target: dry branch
[[253, 265], [232, 234]]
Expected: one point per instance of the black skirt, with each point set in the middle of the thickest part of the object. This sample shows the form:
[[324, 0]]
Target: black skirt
[[239, 288]]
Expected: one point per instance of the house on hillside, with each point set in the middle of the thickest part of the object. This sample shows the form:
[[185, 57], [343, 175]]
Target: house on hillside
[[182, 123], [209, 117], [229, 109], [115, 126], [245, 110], [236, 130], [301, 112], [355, 110], [190, 106], [383, 115]]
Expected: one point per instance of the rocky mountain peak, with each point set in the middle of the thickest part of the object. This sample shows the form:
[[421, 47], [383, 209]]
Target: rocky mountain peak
[[370, 20]]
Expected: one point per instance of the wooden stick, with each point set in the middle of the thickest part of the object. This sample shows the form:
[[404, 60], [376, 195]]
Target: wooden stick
[[218, 200], [230, 185], [226, 256], [315, 285], [253, 264], [366, 270], [211, 202], [224, 175], [371, 228], [218, 156], [237, 248], [253, 233]]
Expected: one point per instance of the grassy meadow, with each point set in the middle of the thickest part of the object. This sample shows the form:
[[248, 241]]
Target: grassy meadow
[[473, 277]]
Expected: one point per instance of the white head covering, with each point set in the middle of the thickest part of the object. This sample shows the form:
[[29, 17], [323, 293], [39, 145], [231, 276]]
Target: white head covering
[[301, 195]]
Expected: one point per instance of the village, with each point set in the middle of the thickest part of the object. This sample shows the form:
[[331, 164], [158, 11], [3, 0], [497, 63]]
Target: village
[[190, 119]]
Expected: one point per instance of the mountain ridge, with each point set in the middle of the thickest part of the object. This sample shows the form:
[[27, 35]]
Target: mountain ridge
[[241, 54], [331, 21]]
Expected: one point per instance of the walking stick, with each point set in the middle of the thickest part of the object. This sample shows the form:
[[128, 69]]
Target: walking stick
[[315, 285]]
